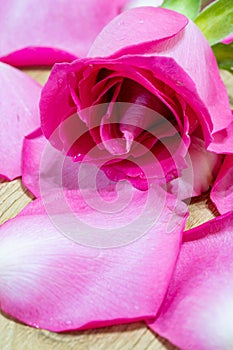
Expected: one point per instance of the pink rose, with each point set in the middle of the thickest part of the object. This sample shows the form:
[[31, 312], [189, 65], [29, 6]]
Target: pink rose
[[154, 58]]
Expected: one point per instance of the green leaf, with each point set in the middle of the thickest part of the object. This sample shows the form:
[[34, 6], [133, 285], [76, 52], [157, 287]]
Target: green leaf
[[189, 8], [224, 56], [216, 20]]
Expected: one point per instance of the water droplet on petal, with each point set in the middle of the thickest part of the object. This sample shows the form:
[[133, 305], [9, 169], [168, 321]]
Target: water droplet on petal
[[35, 325], [68, 323]]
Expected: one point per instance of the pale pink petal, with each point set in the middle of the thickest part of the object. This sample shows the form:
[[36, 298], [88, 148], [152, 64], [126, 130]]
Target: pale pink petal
[[41, 32], [48, 281], [222, 191], [33, 147], [198, 310], [19, 110], [137, 30]]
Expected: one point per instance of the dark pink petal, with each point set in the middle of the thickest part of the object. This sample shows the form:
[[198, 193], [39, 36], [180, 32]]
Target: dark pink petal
[[228, 39], [134, 118], [222, 191], [161, 164], [40, 32], [19, 110], [49, 281], [128, 170], [56, 109], [197, 312]]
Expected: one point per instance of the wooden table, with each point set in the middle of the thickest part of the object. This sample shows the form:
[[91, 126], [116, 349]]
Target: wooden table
[[15, 336]]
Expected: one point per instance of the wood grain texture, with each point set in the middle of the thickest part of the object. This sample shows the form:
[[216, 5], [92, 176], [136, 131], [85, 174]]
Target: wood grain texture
[[15, 336]]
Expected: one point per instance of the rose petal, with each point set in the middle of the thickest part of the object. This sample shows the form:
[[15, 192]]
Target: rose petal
[[161, 164], [132, 119], [54, 111], [40, 32], [19, 110], [228, 39], [33, 167], [153, 26], [48, 281], [222, 191], [33, 147], [201, 172], [197, 312]]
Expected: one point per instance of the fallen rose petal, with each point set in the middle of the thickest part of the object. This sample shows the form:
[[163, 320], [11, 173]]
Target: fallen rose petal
[[222, 191], [33, 147], [43, 32], [48, 281], [197, 311], [19, 110]]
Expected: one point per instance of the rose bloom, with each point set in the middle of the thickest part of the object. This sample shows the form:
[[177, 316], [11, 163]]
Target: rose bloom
[[145, 59]]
